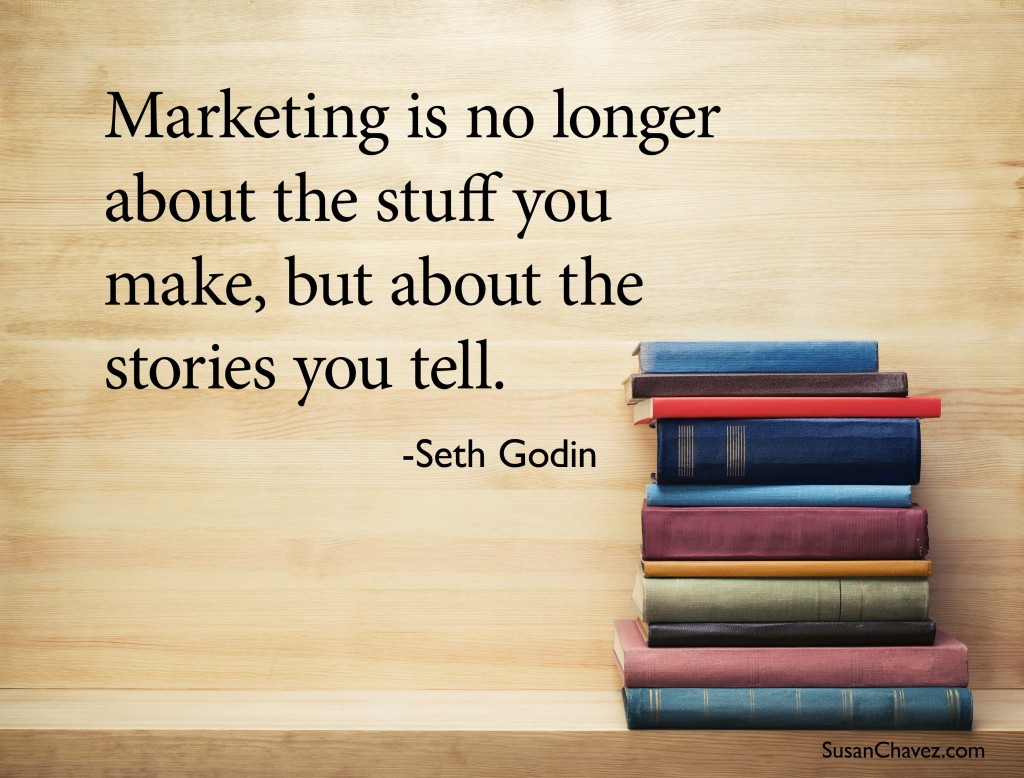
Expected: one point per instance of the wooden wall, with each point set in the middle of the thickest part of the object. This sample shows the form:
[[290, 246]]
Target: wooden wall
[[864, 182]]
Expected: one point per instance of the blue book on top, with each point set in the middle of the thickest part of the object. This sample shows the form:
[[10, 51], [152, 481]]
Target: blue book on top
[[789, 451], [918, 707], [792, 495], [780, 356]]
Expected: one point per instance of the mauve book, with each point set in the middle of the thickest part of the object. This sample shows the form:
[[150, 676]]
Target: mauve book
[[941, 664], [783, 533]]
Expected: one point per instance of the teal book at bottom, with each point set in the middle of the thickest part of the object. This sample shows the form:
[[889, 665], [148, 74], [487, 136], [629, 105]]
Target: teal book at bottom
[[863, 708]]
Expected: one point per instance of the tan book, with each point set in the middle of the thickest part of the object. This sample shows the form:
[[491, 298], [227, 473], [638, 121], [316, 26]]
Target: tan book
[[665, 600], [816, 568]]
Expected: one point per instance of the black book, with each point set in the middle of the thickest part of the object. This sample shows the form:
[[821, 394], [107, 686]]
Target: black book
[[642, 386], [792, 633]]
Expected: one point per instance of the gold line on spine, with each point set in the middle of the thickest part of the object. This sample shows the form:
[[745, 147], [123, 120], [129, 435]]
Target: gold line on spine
[[684, 451], [679, 451], [728, 451], [689, 451], [735, 450], [743, 451], [693, 452]]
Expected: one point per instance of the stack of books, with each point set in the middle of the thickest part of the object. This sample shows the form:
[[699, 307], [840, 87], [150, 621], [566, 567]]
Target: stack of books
[[784, 573]]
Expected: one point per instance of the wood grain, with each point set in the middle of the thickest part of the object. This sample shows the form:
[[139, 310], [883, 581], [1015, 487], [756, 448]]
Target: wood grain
[[129, 753], [104, 732], [996, 710], [864, 182]]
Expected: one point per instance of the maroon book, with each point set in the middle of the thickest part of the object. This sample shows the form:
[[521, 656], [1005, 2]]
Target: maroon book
[[643, 385], [784, 533], [941, 664]]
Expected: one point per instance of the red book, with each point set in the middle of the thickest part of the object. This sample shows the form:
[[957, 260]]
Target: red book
[[942, 664], [784, 533], [785, 408]]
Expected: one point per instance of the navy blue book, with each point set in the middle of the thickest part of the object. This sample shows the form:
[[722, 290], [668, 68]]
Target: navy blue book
[[780, 356], [789, 451], [919, 707]]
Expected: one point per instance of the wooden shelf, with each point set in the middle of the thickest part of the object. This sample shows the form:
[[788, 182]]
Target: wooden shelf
[[132, 732]]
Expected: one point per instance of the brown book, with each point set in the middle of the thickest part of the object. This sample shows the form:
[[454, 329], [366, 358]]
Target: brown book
[[801, 568], [646, 385]]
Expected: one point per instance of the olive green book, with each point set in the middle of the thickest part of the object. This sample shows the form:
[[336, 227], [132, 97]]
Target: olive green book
[[671, 600]]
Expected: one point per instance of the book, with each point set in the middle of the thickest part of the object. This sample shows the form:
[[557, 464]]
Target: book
[[941, 664], [789, 451], [783, 532], [925, 707], [789, 495], [640, 386], [805, 356], [789, 568], [780, 599], [646, 411], [789, 633]]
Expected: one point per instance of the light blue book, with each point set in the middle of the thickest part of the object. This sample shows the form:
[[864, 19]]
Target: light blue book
[[794, 495], [780, 356], [918, 707]]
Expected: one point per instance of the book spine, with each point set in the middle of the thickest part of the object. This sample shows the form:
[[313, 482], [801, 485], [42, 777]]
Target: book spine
[[759, 357], [811, 666], [795, 633], [646, 385], [789, 451], [935, 708], [788, 568], [786, 407], [782, 599], [773, 495], [783, 533]]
